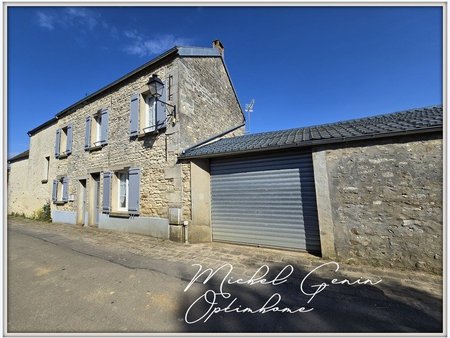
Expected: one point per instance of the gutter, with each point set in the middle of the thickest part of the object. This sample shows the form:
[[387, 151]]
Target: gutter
[[315, 143], [181, 51], [112, 84], [41, 126], [97, 92]]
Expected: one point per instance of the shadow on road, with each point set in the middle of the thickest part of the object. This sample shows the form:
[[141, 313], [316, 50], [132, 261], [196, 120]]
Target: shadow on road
[[385, 307]]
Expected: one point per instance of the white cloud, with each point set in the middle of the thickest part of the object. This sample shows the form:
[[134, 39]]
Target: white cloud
[[87, 20], [45, 20], [83, 18], [133, 34], [141, 47]]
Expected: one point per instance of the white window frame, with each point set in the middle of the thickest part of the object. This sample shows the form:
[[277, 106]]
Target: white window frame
[[60, 190], [119, 187], [97, 121], [63, 142], [150, 114]]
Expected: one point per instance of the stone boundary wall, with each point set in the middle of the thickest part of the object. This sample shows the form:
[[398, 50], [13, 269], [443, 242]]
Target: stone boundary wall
[[386, 201]]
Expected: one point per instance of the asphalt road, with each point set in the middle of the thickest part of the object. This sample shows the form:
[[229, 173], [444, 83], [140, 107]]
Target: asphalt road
[[59, 286]]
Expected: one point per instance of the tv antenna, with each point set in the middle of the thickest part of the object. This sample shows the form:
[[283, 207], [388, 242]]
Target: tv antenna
[[248, 110]]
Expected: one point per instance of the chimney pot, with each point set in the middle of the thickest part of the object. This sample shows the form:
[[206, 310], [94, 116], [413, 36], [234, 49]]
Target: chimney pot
[[217, 44]]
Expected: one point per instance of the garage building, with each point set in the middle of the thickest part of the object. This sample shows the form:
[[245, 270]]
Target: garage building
[[366, 190]]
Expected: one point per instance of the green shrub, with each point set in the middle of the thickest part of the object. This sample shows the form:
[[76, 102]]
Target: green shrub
[[43, 214]]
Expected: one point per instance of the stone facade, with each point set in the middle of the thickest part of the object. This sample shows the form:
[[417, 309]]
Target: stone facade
[[30, 180], [19, 199], [206, 106], [386, 201], [203, 82]]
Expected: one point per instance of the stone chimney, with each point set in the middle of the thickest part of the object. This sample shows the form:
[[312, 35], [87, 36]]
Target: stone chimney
[[217, 44]]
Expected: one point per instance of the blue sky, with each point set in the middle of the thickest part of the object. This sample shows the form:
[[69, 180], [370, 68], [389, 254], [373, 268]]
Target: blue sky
[[302, 65]]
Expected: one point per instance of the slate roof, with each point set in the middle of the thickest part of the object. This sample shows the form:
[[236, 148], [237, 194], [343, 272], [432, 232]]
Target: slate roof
[[182, 51], [20, 156], [411, 121]]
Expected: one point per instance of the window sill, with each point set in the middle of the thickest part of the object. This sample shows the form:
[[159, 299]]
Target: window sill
[[60, 202], [44, 181], [61, 156], [147, 133], [95, 148], [120, 214], [144, 133]]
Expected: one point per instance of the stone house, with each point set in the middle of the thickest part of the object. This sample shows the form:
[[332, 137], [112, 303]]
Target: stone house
[[362, 191], [113, 155]]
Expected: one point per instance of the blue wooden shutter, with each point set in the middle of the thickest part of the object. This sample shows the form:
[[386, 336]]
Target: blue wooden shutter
[[65, 193], [104, 127], [87, 135], [134, 115], [69, 139], [161, 110], [107, 192], [57, 142], [134, 180], [54, 190]]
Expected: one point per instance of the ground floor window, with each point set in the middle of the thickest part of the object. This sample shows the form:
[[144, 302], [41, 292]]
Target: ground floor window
[[60, 192], [121, 191]]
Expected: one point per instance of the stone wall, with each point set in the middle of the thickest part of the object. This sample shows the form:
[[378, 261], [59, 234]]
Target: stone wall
[[386, 201], [187, 198], [19, 199], [30, 180], [208, 103], [40, 184]]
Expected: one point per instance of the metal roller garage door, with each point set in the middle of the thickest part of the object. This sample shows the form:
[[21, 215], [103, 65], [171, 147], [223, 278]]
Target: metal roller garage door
[[265, 200]]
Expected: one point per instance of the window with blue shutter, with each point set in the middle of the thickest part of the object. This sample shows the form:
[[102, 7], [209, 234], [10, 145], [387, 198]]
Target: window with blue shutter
[[57, 142], [87, 134], [55, 190], [134, 115], [63, 141], [134, 180], [65, 191], [104, 127], [107, 192], [161, 110], [69, 140]]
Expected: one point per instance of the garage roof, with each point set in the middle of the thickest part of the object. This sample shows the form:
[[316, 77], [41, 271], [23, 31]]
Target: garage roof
[[411, 121]]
